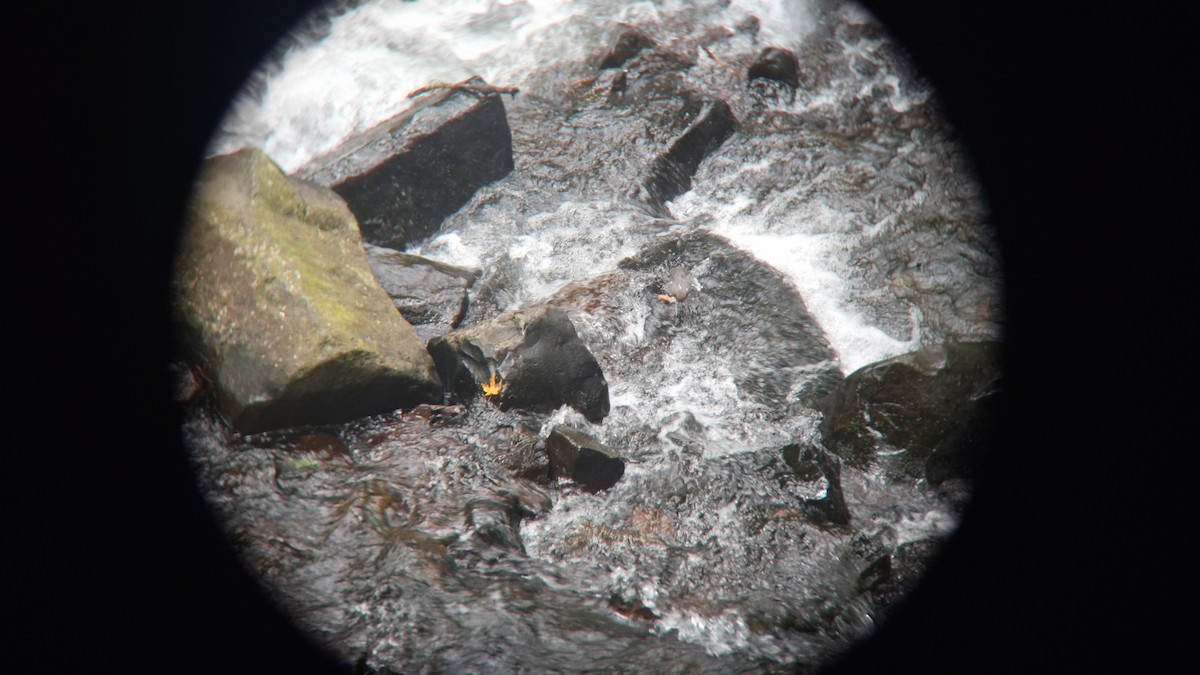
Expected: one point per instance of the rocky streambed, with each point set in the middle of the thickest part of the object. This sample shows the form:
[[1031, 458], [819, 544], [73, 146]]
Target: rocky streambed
[[501, 384]]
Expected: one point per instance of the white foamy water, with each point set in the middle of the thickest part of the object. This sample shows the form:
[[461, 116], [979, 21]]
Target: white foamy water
[[377, 53]]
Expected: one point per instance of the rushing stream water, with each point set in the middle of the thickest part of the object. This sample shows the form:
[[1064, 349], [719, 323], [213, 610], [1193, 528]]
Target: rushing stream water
[[845, 210]]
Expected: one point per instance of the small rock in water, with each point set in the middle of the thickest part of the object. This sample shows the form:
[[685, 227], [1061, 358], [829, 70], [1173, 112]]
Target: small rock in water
[[679, 283], [583, 459], [431, 295], [670, 174], [778, 64], [626, 46]]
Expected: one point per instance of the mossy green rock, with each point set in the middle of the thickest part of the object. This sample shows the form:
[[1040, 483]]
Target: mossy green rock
[[277, 302]]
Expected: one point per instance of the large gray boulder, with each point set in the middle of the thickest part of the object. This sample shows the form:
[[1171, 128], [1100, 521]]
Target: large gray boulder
[[276, 301], [403, 176], [537, 355]]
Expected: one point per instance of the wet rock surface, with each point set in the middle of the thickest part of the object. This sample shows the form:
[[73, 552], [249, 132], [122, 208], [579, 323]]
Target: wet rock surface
[[402, 177], [583, 459], [759, 313], [431, 295], [534, 353], [276, 301], [903, 411], [711, 122], [625, 47]]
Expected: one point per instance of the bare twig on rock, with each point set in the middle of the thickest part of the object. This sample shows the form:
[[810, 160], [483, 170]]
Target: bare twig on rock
[[480, 90]]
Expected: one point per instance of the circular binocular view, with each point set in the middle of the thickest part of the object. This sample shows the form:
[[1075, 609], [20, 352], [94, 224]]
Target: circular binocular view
[[605, 336]]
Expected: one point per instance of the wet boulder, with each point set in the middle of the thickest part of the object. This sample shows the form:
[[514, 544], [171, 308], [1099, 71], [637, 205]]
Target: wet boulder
[[625, 47], [537, 358], [402, 177], [276, 301], [960, 454], [494, 521], [583, 459], [744, 311], [431, 295], [707, 124], [776, 64], [924, 414]]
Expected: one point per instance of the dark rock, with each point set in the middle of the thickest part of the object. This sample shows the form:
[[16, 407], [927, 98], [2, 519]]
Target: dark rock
[[892, 577], [405, 175], [537, 355], [277, 303], [438, 415], [710, 123], [494, 523], [778, 64], [960, 454], [633, 609], [746, 312], [913, 404], [625, 47], [432, 296], [812, 463], [583, 459]]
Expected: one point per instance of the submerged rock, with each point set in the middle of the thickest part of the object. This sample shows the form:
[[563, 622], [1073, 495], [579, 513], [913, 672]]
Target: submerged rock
[[521, 452], [583, 459], [277, 302], [534, 353], [914, 404], [432, 296], [405, 175]]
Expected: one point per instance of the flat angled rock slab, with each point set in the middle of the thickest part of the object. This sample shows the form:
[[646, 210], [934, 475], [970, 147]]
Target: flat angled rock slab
[[431, 295], [402, 177], [276, 301], [534, 352]]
